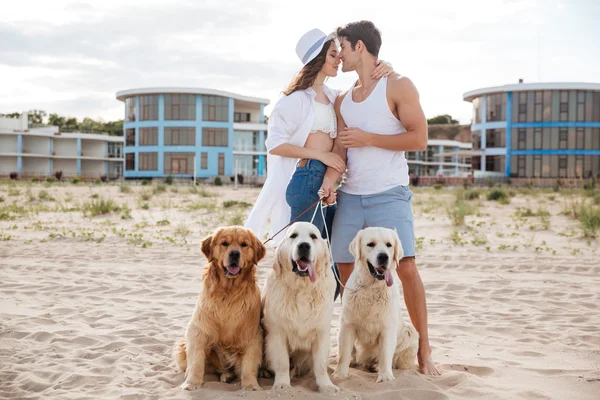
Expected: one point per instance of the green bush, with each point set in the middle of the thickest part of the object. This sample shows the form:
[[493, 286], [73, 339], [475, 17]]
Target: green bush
[[100, 206], [218, 181], [471, 195], [145, 182], [75, 181], [497, 195], [169, 180], [438, 186]]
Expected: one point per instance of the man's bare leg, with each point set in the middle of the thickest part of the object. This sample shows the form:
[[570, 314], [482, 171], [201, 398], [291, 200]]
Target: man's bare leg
[[345, 272], [414, 297]]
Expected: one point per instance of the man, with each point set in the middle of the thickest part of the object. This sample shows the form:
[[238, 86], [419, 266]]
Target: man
[[377, 122]]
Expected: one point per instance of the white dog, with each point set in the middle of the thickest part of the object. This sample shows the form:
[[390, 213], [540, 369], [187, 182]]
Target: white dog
[[298, 307], [372, 327]]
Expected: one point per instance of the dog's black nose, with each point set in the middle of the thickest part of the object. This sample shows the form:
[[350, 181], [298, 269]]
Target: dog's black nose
[[304, 247], [382, 259], [234, 256]]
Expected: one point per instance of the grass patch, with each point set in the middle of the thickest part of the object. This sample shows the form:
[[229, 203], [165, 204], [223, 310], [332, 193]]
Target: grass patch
[[14, 192], [99, 206], [200, 206], [202, 192], [123, 188], [497, 195], [182, 230], [160, 188], [126, 213], [237, 219], [460, 209], [145, 206], [1, 199], [232, 203], [45, 196], [146, 196], [95, 196], [471, 195], [163, 222]]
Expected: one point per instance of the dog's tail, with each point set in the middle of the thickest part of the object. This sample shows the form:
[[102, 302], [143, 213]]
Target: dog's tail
[[179, 355], [406, 350]]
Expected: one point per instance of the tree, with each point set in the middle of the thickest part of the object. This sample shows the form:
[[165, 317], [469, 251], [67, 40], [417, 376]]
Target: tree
[[13, 115], [442, 119], [36, 116], [55, 120]]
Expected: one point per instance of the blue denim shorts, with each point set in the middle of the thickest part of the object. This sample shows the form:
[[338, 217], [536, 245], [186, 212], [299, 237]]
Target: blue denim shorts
[[390, 209]]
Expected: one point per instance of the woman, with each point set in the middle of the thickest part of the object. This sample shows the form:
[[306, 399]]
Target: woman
[[302, 127]]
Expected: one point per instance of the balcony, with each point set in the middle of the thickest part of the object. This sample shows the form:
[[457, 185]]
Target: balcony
[[248, 149]]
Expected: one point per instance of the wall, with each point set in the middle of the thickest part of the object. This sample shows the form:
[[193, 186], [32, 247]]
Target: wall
[[19, 124], [35, 166], [92, 168], [8, 165], [254, 111], [65, 147], [36, 145], [8, 143], [93, 148], [68, 167]]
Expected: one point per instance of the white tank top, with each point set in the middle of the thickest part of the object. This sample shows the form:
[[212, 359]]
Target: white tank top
[[372, 170]]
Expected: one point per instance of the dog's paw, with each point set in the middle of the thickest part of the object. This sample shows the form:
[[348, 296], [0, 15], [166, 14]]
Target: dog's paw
[[339, 373], [188, 385], [251, 386], [385, 377], [227, 377], [281, 385], [329, 389]]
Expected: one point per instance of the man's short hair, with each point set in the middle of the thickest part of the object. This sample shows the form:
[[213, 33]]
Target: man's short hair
[[362, 30]]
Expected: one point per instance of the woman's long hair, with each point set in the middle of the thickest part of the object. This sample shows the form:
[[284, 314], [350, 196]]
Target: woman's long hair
[[307, 75]]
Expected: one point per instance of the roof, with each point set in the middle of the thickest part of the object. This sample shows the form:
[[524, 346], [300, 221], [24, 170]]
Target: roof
[[123, 94], [520, 87]]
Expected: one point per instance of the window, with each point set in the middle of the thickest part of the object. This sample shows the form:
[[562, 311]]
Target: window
[[130, 137], [522, 139], [537, 166], [562, 166], [580, 106], [476, 163], [180, 107], [563, 136], [221, 164], [564, 106], [130, 109], [476, 137], [241, 117], [215, 108], [521, 166], [148, 161], [495, 104], [538, 139], [177, 163], [130, 162], [495, 138], [203, 160], [149, 108], [148, 136], [539, 104], [218, 137], [579, 166], [477, 110], [175, 136], [579, 138], [522, 107]]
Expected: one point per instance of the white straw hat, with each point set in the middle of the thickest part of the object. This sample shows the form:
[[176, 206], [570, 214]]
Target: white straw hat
[[311, 44]]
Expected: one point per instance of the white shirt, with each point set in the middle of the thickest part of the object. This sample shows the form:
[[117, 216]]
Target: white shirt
[[290, 122]]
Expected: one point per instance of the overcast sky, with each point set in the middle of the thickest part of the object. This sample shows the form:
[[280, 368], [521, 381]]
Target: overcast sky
[[72, 57]]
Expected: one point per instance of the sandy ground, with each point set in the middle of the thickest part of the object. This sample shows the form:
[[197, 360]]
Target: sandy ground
[[90, 306]]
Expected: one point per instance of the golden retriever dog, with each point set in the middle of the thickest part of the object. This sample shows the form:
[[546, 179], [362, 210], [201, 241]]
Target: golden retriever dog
[[298, 307], [224, 335], [372, 328]]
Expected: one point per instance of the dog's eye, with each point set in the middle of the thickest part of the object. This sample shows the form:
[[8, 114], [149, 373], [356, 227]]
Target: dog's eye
[[371, 244], [224, 244], [313, 236], [293, 236], [244, 244], [388, 244]]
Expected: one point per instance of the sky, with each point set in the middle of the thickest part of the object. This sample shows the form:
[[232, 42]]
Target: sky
[[71, 57]]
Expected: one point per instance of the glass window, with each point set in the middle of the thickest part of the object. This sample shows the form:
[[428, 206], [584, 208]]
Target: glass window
[[538, 139], [562, 166], [563, 136], [547, 107], [476, 137], [580, 106], [496, 106], [522, 107], [130, 162], [130, 137], [203, 160], [579, 139], [148, 161], [522, 140], [521, 166], [149, 108], [476, 163], [175, 136], [218, 137], [537, 166], [130, 109], [215, 108], [477, 110], [179, 163], [180, 107], [241, 117], [148, 136]]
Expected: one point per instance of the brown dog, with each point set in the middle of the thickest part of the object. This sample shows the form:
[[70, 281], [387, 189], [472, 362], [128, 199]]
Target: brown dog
[[224, 335]]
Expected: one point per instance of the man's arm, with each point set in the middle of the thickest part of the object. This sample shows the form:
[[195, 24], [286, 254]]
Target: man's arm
[[332, 175], [406, 100]]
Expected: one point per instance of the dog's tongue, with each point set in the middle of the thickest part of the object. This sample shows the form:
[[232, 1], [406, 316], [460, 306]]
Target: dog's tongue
[[233, 270], [388, 278], [311, 269]]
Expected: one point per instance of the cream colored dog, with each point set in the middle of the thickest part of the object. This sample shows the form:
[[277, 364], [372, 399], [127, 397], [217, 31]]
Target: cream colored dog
[[298, 307], [372, 327]]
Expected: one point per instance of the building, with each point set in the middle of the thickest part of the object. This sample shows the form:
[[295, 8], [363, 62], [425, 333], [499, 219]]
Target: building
[[44, 150], [448, 153], [180, 131], [536, 130]]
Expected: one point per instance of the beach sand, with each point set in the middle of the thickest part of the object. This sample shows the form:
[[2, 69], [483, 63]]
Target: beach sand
[[90, 306]]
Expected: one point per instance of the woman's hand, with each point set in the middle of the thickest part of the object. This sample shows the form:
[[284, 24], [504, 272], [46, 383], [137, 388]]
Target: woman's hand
[[384, 68], [333, 160]]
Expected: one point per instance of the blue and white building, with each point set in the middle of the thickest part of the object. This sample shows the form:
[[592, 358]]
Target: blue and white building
[[536, 130], [169, 130], [442, 158]]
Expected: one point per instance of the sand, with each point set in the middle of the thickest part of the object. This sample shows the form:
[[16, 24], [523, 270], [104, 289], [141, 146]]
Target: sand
[[91, 306]]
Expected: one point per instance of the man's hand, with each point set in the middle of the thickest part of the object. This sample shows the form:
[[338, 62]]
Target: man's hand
[[355, 138], [327, 192]]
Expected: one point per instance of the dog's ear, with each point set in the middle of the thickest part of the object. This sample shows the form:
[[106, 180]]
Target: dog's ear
[[259, 248], [398, 251], [206, 247], [355, 246], [277, 264]]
